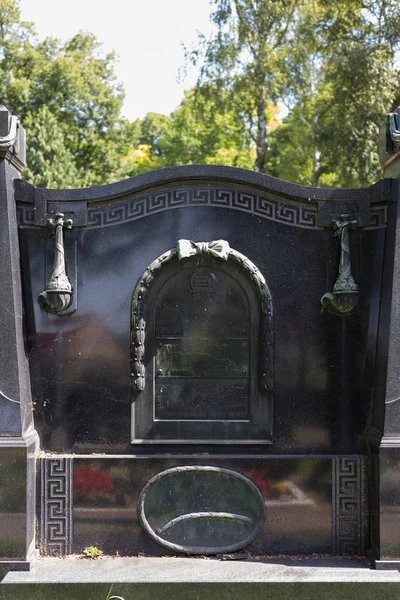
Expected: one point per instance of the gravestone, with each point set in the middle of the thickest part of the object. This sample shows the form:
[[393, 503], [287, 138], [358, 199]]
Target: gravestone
[[200, 360]]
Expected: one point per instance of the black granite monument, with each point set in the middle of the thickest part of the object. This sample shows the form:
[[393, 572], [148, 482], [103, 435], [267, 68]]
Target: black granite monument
[[198, 361]]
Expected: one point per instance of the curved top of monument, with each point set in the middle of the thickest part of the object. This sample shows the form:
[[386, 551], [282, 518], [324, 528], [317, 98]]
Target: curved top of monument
[[205, 174]]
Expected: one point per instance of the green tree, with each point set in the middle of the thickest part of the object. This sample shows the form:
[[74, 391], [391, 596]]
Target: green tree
[[202, 130], [332, 62], [50, 163], [245, 60], [344, 80], [198, 131], [77, 85]]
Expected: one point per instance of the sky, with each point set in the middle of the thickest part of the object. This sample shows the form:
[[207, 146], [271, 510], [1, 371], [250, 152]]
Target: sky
[[147, 36]]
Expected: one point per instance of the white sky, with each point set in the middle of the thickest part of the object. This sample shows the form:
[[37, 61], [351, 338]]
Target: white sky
[[146, 35]]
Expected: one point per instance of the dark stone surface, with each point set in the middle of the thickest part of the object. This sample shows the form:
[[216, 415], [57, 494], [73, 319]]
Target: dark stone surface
[[18, 500], [18, 439], [328, 393], [185, 174], [313, 503], [15, 394], [13, 500], [317, 400], [384, 435], [297, 494], [390, 502], [82, 361], [389, 336]]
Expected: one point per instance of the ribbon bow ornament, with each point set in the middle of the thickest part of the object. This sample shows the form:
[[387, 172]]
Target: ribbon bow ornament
[[218, 248]]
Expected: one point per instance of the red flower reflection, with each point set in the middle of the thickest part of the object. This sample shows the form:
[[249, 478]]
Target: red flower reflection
[[88, 481]]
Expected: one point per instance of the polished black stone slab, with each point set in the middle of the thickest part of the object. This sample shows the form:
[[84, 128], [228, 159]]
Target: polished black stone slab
[[320, 375], [390, 503], [313, 504], [80, 363], [18, 439]]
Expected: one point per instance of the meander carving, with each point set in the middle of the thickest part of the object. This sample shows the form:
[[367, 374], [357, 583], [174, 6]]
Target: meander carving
[[344, 297], [56, 527], [349, 505], [57, 296], [219, 250]]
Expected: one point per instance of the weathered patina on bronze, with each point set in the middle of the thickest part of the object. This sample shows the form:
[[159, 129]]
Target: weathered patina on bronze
[[57, 297], [345, 291]]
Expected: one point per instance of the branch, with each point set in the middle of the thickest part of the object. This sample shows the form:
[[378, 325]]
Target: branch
[[284, 32], [306, 123]]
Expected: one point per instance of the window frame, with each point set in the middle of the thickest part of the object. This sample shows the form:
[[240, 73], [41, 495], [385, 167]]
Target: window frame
[[260, 376]]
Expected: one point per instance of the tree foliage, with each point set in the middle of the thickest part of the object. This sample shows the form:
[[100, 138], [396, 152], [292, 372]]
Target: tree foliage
[[66, 88], [333, 65], [196, 132], [331, 62]]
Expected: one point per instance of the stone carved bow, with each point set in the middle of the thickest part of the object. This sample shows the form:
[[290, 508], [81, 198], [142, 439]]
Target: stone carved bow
[[218, 248]]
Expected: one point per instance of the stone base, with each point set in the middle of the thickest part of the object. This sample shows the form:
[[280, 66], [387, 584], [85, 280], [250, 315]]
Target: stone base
[[384, 565], [200, 579], [15, 565], [18, 500]]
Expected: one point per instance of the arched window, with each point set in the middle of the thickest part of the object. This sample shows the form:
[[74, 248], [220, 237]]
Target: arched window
[[202, 348]]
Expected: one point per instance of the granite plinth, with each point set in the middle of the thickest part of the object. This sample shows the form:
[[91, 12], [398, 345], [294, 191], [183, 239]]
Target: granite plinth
[[188, 578]]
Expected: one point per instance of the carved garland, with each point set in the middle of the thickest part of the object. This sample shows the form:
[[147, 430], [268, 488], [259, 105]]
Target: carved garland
[[221, 251]]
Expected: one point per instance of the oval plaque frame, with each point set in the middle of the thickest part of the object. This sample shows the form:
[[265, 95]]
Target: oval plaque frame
[[206, 514]]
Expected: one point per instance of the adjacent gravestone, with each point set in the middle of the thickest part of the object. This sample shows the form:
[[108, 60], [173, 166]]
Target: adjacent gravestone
[[18, 438]]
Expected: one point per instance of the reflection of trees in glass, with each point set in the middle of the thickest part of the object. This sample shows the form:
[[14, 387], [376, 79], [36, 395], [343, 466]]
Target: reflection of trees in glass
[[202, 357], [202, 332]]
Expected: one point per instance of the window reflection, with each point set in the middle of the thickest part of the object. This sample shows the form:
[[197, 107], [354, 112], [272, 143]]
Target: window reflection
[[201, 331]]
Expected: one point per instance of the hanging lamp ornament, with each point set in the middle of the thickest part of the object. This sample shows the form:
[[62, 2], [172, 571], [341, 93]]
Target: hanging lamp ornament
[[344, 296], [57, 297]]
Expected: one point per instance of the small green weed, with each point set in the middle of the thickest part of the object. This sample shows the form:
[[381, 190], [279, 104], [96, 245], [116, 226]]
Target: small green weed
[[92, 552]]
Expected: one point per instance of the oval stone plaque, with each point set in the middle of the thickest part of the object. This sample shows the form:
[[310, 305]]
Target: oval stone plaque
[[201, 510]]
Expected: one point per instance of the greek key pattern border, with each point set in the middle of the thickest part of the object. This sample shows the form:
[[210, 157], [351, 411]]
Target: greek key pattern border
[[260, 205], [348, 506], [56, 506]]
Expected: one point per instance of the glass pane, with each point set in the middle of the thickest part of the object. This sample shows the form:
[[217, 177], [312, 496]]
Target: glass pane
[[202, 509], [200, 300], [202, 357], [201, 400]]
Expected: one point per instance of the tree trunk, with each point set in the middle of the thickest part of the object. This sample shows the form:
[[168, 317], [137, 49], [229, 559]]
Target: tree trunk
[[262, 144], [316, 152]]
